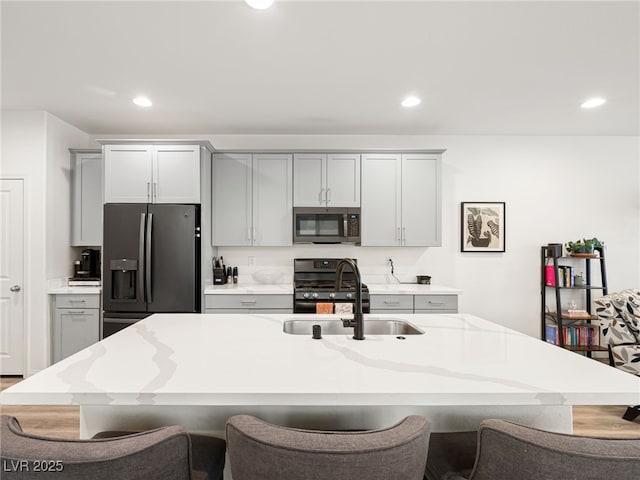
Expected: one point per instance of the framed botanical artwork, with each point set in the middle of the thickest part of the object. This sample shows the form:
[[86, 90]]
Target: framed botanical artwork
[[483, 227]]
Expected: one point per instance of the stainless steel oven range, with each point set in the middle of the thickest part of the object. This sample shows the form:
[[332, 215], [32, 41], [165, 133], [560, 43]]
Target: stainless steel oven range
[[314, 282]]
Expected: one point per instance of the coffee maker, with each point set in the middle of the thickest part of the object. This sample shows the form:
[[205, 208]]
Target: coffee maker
[[88, 267]]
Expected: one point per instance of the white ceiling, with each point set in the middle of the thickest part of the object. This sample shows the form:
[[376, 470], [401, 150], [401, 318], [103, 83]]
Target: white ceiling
[[326, 67]]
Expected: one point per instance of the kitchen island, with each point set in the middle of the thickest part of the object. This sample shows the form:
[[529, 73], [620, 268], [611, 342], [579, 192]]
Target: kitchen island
[[197, 370]]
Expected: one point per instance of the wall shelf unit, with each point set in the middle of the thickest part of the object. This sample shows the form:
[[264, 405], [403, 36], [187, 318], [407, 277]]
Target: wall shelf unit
[[573, 331]]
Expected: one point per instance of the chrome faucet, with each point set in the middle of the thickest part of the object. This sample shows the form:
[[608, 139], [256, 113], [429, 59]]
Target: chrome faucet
[[358, 318]]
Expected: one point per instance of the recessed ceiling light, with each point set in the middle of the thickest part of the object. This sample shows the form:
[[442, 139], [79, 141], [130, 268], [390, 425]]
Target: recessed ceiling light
[[259, 4], [593, 102], [411, 102], [142, 101]]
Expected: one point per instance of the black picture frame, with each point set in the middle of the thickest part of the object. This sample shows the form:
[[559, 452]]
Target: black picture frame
[[483, 227]]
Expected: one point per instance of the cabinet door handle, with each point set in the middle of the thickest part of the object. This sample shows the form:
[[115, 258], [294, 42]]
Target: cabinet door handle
[[148, 191], [398, 237], [328, 196], [321, 199], [404, 235], [253, 235], [155, 191]]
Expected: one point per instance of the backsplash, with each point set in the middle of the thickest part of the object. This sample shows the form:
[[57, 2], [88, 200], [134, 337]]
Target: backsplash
[[408, 262]]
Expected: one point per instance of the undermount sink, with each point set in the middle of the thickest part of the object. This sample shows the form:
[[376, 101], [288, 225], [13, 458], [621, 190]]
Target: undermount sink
[[372, 326]]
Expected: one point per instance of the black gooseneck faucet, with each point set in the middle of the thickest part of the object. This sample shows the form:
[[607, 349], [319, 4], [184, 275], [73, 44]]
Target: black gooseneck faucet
[[358, 318]]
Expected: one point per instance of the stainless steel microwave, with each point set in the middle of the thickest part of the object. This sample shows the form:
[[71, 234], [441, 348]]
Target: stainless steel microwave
[[326, 225]]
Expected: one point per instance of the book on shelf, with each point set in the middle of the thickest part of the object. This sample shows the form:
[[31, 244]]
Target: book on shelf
[[566, 276], [574, 335], [577, 314]]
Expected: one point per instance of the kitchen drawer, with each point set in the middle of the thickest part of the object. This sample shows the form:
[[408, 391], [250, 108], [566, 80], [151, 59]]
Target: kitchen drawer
[[436, 302], [252, 302], [77, 301], [387, 312], [227, 310], [391, 302], [248, 311]]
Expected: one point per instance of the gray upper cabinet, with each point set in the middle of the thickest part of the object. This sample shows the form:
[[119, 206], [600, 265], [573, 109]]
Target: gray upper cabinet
[[231, 198], [252, 199], [326, 180], [86, 197], [147, 173], [401, 199], [421, 200]]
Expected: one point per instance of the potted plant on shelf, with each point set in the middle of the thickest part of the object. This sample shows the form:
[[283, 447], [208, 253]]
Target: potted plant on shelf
[[586, 246]]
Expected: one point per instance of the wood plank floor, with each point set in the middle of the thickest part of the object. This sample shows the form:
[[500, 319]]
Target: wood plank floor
[[64, 421]]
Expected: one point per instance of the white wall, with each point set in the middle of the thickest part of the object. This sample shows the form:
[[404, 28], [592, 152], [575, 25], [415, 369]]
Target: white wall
[[34, 147], [60, 137], [556, 189]]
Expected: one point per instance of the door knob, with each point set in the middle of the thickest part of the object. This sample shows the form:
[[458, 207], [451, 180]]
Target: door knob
[[15, 288]]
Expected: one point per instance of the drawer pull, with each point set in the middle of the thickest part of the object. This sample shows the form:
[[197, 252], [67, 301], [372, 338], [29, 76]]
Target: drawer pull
[[431, 302], [81, 312], [77, 301], [390, 302], [248, 302]]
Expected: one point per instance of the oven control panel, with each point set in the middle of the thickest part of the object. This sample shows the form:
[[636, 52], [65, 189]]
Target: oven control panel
[[325, 264]]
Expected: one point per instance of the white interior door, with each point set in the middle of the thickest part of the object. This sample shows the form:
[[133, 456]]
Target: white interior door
[[11, 277]]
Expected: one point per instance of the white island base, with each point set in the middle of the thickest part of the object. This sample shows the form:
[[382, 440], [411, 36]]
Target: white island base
[[211, 420]]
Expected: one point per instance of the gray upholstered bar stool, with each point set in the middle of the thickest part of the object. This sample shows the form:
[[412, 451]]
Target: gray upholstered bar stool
[[260, 450], [502, 450], [165, 453]]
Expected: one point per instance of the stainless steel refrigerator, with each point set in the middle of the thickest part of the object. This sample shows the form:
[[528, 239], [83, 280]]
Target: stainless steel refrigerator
[[151, 262]]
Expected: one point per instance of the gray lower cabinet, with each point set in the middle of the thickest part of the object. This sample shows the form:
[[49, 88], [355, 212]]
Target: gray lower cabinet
[[435, 304], [391, 303], [403, 303], [76, 324], [238, 303]]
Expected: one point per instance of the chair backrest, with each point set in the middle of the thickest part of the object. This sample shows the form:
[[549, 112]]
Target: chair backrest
[[163, 453], [508, 451], [619, 314], [260, 450]]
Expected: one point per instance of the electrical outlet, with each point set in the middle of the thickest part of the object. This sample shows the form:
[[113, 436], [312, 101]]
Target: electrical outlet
[[251, 260]]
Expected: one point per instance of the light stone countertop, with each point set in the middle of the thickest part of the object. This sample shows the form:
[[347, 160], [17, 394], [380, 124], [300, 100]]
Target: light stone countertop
[[374, 289], [411, 289], [244, 360], [75, 290], [60, 286], [249, 289]]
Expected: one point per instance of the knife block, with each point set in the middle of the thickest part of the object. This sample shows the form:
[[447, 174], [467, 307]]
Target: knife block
[[219, 276]]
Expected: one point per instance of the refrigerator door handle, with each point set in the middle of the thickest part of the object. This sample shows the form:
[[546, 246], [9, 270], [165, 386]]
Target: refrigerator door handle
[[141, 267], [147, 260]]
